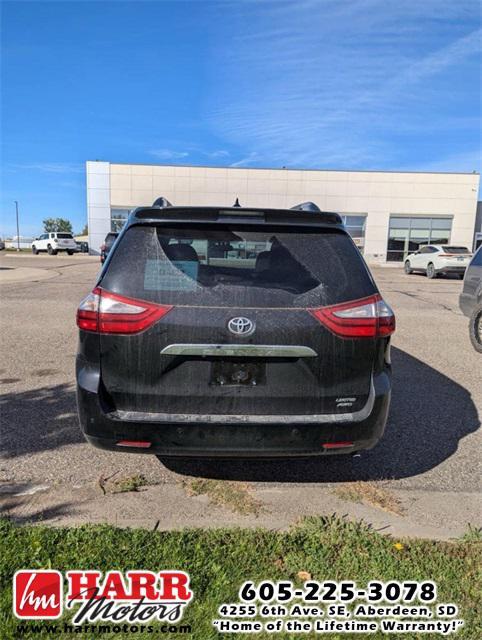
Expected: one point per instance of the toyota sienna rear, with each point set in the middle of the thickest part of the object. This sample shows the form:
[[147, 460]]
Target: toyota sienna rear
[[234, 332]]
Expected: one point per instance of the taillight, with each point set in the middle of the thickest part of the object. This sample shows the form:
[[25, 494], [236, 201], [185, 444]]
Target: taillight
[[105, 312], [88, 312], [369, 317]]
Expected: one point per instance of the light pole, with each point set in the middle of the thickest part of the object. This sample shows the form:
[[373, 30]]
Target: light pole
[[18, 232]]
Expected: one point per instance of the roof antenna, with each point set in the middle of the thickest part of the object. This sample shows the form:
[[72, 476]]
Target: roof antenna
[[236, 204]]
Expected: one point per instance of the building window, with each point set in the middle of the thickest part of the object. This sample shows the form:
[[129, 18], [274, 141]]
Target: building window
[[407, 234], [355, 225], [118, 218]]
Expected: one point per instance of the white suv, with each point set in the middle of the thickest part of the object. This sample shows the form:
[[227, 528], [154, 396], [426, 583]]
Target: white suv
[[433, 259], [55, 242]]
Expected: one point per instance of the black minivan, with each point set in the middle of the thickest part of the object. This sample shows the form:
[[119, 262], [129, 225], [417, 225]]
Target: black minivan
[[470, 300], [107, 245], [218, 331]]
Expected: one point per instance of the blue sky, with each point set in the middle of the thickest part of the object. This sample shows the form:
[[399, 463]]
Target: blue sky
[[344, 84]]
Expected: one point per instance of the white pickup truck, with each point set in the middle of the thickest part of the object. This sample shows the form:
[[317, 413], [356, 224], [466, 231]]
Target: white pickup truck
[[54, 242]]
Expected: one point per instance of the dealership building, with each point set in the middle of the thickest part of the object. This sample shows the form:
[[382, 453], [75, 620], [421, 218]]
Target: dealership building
[[388, 213]]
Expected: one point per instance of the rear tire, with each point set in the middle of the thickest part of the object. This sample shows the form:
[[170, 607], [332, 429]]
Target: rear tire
[[431, 273], [35, 250], [70, 253], [407, 268], [475, 328]]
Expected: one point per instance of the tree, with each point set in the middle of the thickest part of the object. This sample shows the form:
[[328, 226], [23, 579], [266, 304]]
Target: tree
[[85, 231], [57, 224]]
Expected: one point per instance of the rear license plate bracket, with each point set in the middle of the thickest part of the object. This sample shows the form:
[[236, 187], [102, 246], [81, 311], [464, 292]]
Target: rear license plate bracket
[[237, 373]]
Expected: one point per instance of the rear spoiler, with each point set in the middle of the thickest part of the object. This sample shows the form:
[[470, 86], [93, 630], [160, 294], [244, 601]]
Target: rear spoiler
[[304, 213]]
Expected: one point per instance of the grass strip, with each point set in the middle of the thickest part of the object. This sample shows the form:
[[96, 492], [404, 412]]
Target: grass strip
[[219, 560]]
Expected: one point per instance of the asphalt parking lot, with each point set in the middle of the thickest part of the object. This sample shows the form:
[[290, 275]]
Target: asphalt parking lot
[[429, 458]]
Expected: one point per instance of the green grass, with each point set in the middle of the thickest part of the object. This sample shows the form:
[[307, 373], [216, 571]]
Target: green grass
[[473, 534], [219, 560]]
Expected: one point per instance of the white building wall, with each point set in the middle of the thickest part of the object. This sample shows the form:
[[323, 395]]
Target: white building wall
[[375, 194], [98, 202]]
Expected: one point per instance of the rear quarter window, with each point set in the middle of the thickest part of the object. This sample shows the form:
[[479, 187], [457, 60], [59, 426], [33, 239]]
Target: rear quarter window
[[237, 266], [455, 250]]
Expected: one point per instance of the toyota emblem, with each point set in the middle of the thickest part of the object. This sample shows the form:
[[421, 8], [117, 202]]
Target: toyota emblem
[[241, 326]]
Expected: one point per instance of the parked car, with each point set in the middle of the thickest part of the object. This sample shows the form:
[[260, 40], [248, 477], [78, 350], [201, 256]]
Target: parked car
[[434, 259], [470, 300], [54, 242], [82, 246], [281, 354], [2, 244], [107, 245]]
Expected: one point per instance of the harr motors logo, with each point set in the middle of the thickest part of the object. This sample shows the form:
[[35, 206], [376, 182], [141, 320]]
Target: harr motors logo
[[37, 594], [136, 596]]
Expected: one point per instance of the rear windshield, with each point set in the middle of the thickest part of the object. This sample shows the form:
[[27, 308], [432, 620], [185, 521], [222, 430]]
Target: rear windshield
[[455, 249], [237, 266], [64, 235]]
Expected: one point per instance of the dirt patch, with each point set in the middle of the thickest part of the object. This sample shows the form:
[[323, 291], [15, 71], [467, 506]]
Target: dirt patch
[[236, 496], [371, 493], [44, 372], [122, 484]]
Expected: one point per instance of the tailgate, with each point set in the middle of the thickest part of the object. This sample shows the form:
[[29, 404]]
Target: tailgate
[[197, 359], [291, 365]]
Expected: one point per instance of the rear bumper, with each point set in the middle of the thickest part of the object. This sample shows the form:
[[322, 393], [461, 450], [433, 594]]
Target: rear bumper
[[286, 437], [452, 269]]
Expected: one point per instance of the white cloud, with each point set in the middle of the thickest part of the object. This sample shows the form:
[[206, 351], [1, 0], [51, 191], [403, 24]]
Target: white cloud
[[49, 167], [219, 153], [244, 162], [168, 154], [331, 83], [439, 59], [464, 162]]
